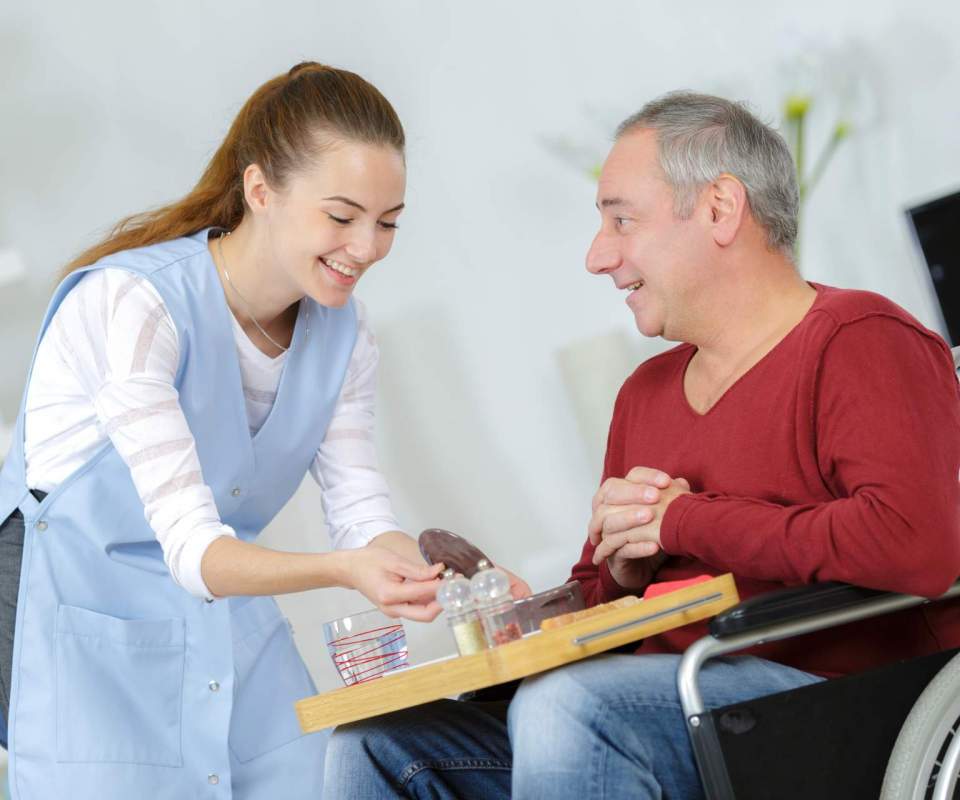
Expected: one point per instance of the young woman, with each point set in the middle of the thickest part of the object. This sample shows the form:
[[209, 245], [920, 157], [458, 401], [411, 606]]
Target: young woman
[[191, 368]]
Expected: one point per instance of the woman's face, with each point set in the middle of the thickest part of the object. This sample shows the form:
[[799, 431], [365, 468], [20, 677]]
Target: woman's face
[[333, 221]]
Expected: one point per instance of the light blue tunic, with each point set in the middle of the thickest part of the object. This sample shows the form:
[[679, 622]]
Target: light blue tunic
[[124, 685]]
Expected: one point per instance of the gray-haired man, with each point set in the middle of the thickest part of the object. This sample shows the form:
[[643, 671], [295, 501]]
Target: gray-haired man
[[799, 433]]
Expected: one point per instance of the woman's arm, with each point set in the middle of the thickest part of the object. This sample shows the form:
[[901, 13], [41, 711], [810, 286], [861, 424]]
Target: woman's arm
[[397, 586], [105, 371], [400, 543]]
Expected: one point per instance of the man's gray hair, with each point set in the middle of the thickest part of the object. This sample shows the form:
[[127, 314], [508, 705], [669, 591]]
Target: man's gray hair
[[700, 137]]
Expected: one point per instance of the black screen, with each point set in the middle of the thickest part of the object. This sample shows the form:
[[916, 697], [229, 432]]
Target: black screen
[[937, 225]]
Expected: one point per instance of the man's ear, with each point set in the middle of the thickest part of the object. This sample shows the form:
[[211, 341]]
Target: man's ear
[[255, 188], [727, 203]]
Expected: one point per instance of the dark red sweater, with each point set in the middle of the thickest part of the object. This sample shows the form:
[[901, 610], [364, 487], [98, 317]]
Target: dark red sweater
[[836, 457]]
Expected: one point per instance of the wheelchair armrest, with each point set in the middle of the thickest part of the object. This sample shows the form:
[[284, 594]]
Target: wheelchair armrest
[[782, 615], [787, 605]]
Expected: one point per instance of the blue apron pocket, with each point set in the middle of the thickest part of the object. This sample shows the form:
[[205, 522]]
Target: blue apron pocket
[[119, 688], [271, 677]]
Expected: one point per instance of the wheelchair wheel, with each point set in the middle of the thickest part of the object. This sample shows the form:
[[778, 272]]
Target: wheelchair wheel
[[925, 760]]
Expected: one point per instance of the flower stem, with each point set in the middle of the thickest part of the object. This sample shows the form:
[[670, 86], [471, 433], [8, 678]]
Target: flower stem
[[798, 151], [839, 134]]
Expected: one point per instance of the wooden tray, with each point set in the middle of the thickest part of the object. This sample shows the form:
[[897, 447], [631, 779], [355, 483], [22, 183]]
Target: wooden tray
[[535, 653]]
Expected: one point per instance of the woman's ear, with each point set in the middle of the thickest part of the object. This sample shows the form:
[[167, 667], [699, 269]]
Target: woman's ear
[[727, 198], [256, 190]]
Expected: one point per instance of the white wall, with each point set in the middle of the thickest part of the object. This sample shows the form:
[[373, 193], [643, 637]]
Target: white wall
[[113, 107]]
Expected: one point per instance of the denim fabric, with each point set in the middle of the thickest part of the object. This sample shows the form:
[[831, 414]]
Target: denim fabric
[[607, 727], [448, 749]]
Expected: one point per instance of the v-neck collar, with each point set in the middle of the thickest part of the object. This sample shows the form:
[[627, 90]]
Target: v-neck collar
[[249, 350], [768, 356]]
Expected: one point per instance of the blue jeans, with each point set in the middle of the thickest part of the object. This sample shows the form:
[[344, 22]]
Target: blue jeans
[[607, 727]]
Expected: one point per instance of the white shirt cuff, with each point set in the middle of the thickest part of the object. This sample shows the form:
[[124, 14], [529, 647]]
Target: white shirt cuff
[[189, 575], [360, 534]]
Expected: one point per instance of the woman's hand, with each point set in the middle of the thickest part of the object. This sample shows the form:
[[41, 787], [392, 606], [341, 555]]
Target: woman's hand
[[398, 587], [403, 545], [518, 586]]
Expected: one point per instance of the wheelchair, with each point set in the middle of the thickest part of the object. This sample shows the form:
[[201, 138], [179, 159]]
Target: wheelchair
[[831, 740]]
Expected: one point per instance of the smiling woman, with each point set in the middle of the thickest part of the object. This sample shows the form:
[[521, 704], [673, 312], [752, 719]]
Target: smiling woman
[[192, 367], [314, 236]]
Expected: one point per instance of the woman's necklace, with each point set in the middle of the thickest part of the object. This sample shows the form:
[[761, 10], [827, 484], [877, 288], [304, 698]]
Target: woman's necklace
[[246, 305]]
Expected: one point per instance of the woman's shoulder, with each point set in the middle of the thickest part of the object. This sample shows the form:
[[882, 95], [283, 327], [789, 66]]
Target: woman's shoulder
[[155, 257], [106, 290]]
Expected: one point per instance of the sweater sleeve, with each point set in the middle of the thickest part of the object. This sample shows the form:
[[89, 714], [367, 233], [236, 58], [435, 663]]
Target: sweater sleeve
[[886, 419]]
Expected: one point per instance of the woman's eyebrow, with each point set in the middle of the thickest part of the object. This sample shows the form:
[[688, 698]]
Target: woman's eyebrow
[[355, 204]]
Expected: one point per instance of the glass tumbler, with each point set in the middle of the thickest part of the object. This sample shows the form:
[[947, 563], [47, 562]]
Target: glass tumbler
[[365, 646]]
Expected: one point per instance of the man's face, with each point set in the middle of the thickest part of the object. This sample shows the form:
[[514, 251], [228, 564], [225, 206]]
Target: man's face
[[647, 250]]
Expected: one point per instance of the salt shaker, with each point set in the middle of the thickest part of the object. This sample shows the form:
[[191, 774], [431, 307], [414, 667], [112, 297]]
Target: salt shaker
[[491, 594], [455, 598]]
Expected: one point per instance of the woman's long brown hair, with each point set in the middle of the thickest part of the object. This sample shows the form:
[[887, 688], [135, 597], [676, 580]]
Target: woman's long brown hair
[[281, 128]]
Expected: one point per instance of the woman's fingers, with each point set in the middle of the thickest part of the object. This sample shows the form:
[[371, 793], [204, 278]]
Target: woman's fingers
[[417, 613], [519, 588], [415, 572], [418, 592]]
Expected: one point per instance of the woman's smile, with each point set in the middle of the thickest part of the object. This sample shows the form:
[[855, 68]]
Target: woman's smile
[[341, 273]]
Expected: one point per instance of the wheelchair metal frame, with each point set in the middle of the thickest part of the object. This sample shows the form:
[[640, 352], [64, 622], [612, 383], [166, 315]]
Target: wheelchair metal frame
[[779, 615]]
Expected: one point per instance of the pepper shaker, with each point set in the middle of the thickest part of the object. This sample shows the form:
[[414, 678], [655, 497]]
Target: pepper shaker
[[490, 587]]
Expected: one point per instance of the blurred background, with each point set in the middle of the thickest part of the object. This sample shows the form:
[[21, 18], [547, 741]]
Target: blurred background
[[500, 354]]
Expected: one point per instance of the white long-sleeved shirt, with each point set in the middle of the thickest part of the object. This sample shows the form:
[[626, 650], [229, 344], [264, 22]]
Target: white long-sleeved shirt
[[105, 370]]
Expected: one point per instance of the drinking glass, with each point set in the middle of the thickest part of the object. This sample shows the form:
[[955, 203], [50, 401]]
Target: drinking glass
[[365, 646]]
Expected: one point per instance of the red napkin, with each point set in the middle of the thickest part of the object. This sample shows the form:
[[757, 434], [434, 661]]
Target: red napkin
[[657, 589]]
